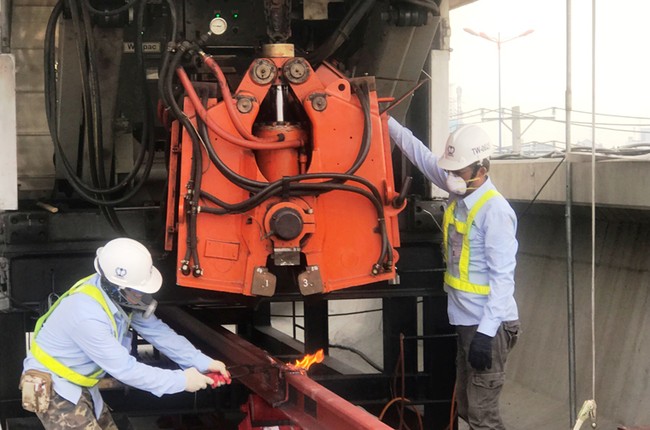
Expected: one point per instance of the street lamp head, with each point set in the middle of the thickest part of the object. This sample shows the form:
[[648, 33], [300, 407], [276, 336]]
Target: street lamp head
[[498, 42], [489, 38], [480, 34], [526, 33]]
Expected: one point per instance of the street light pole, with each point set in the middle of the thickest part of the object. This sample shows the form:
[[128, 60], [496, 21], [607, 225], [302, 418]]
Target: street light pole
[[498, 42]]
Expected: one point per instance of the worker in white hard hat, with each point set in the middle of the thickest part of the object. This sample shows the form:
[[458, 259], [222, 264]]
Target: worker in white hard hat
[[85, 335], [480, 248]]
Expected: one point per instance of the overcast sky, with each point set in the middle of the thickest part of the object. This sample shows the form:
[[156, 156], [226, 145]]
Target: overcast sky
[[533, 68]]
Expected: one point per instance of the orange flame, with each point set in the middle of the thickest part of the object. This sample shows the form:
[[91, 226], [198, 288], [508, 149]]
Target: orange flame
[[310, 359]]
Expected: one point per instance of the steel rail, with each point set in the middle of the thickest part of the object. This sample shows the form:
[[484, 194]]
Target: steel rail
[[304, 401]]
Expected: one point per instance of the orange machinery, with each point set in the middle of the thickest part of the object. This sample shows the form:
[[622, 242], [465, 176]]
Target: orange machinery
[[291, 173]]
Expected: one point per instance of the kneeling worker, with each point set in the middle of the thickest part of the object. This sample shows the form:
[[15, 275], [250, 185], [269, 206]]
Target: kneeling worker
[[85, 334]]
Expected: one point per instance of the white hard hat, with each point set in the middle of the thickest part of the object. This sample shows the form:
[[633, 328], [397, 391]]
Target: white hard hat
[[127, 264], [465, 146]]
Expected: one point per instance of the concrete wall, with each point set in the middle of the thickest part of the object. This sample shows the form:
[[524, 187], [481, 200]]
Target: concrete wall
[[622, 309], [619, 181]]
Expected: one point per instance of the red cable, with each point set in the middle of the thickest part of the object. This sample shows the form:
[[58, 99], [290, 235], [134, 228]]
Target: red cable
[[201, 112], [230, 103]]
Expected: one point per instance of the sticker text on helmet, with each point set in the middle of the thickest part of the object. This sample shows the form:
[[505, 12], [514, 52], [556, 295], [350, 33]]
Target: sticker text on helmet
[[479, 149]]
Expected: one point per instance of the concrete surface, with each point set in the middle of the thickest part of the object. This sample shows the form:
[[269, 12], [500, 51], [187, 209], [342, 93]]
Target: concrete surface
[[536, 394], [539, 363]]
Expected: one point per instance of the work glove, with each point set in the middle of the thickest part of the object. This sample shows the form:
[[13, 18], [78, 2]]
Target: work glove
[[218, 372], [195, 380], [218, 366], [480, 351]]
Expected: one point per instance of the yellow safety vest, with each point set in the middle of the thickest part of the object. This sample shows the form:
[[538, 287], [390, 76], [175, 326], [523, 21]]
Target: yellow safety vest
[[52, 363], [462, 282]]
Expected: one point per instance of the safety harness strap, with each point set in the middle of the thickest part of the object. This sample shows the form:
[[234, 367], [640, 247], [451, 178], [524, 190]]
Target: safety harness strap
[[52, 363]]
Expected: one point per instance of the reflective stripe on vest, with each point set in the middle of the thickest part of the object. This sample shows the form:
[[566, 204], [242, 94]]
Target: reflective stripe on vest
[[462, 282], [52, 363]]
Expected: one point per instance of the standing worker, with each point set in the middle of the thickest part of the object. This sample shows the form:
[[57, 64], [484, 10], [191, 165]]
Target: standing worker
[[480, 248], [86, 334]]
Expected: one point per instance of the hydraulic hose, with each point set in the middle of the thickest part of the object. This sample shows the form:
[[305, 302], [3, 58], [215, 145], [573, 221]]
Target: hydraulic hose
[[203, 114], [90, 105], [197, 165], [366, 141], [262, 191], [79, 186], [117, 11], [241, 181], [230, 103], [319, 188], [164, 67], [342, 33], [276, 187], [362, 93]]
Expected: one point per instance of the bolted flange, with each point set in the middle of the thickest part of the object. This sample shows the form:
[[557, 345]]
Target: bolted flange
[[296, 70], [318, 102], [244, 104], [263, 71]]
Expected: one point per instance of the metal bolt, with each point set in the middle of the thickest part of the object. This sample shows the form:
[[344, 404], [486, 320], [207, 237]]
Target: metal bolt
[[296, 71], [263, 72], [319, 103], [244, 104]]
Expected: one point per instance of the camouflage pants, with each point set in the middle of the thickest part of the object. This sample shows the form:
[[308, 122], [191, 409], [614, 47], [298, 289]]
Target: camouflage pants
[[62, 414]]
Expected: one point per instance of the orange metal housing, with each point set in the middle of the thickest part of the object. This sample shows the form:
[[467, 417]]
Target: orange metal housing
[[332, 239]]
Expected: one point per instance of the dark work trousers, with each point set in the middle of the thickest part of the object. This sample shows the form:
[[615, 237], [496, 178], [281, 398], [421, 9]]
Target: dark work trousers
[[477, 392], [62, 415]]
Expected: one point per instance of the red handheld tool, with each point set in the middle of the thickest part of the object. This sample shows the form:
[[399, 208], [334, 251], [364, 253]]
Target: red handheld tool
[[218, 379]]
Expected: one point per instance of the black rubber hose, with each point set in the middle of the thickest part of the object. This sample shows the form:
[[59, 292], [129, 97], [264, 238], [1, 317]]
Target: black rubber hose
[[89, 126], [51, 109], [85, 85], [49, 60], [191, 202], [119, 10], [311, 189], [364, 99], [95, 144], [241, 181], [376, 202], [197, 166], [164, 67], [95, 98], [318, 188], [276, 187], [366, 141], [251, 185], [342, 32]]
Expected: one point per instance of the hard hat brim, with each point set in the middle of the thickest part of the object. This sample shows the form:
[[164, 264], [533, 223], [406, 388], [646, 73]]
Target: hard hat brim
[[150, 287], [153, 285], [452, 165]]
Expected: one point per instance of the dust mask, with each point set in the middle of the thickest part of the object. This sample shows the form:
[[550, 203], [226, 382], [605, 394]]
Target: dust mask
[[456, 184]]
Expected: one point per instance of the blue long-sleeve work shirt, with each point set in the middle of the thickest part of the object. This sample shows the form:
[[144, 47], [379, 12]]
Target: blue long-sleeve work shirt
[[80, 335], [492, 241]]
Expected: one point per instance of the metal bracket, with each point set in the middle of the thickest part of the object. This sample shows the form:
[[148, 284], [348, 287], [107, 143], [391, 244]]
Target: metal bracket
[[310, 281], [263, 282]]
